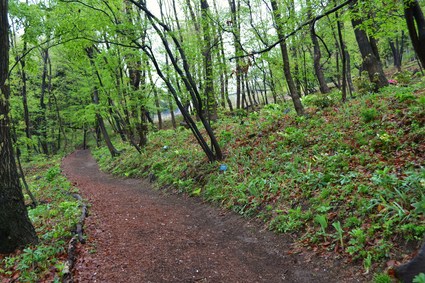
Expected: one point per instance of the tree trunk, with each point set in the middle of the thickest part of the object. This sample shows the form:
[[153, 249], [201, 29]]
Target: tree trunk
[[224, 76], [272, 85], [370, 55], [317, 54], [416, 25], [112, 149], [100, 123], [349, 77], [16, 230], [344, 59], [42, 124], [173, 118], [316, 62], [24, 94], [266, 100], [156, 97], [214, 153], [285, 58], [397, 49], [238, 50], [137, 78], [208, 63]]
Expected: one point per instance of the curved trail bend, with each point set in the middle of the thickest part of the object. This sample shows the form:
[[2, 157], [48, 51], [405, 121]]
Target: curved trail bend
[[137, 234]]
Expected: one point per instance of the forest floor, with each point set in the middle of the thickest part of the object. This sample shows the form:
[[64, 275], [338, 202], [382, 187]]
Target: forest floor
[[138, 234]]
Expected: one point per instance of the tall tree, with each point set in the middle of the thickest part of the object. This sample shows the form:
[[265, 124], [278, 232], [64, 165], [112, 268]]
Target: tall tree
[[208, 62], [236, 30], [162, 30], [285, 58], [99, 118], [317, 54], [397, 49], [367, 45], [416, 25], [16, 229]]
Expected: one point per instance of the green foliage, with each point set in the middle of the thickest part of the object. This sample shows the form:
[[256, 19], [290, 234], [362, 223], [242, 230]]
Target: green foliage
[[369, 114], [294, 136], [382, 278], [363, 85], [52, 173], [341, 166], [420, 278], [321, 101], [403, 77], [340, 231], [420, 205], [290, 221], [322, 220], [54, 220]]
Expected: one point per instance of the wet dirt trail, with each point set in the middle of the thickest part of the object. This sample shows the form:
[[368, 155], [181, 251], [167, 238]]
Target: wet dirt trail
[[137, 234]]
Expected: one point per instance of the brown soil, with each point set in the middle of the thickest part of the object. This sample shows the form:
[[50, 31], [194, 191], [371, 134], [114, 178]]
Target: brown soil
[[137, 234]]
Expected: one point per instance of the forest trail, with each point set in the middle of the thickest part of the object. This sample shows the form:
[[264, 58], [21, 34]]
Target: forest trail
[[137, 234]]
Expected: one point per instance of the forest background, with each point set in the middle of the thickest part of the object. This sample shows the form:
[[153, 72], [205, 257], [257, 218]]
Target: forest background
[[282, 93]]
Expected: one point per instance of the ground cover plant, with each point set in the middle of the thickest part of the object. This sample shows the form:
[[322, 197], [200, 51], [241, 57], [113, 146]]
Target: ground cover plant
[[54, 219], [345, 179]]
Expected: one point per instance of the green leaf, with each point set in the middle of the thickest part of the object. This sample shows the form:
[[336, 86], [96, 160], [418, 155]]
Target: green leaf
[[196, 192]]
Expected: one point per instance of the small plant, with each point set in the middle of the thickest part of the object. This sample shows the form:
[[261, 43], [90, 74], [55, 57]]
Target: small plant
[[357, 243], [363, 84], [288, 222], [52, 173], [367, 263], [405, 96], [340, 231], [294, 136], [403, 77], [369, 114], [420, 278], [321, 101], [382, 278], [420, 206], [322, 220]]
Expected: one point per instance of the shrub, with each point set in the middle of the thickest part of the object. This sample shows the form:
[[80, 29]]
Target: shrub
[[403, 77], [363, 85], [369, 114]]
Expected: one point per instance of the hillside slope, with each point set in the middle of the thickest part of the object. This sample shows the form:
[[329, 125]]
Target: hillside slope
[[347, 179]]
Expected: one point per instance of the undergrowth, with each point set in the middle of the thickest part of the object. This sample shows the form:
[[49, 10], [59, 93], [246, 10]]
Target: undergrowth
[[346, 178], [54, 219]]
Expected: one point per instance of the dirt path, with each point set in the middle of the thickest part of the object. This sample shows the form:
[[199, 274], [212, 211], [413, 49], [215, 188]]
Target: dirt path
[[137, 234]]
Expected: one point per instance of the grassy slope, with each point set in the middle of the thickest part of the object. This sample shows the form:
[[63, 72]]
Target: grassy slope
[[347, 179]]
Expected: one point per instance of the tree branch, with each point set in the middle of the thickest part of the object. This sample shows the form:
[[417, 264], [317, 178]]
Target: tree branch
[[333, 10]]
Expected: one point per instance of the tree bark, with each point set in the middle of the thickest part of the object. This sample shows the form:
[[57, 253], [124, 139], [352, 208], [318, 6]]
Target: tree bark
[[42, 123], [238, 50], [344, 59], [101, 125], [397, 49], [317, 54], [370, 55], [24, 94], [416, 25], [214, 153], [16, 230], [112, 149], [224, 76], [208, 63], [285, 58]]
